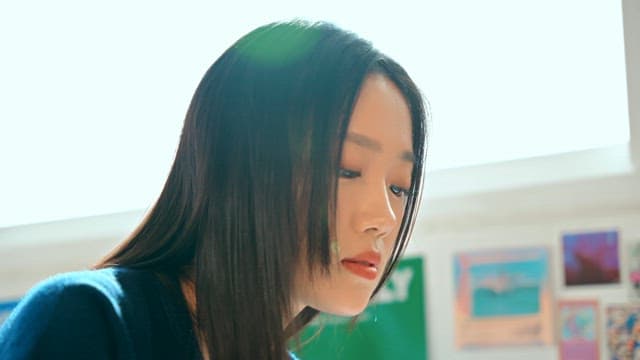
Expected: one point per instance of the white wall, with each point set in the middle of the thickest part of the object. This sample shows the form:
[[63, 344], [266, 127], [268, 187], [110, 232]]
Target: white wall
[[31, 253], [531, 216], [507, 220], [478, 217], [473, 213]]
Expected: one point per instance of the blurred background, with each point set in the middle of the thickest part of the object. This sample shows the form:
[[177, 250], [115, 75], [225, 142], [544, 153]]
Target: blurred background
[[535, 134]]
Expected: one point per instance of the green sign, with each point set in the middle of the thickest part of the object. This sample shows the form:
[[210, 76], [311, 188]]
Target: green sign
[[392, 326]]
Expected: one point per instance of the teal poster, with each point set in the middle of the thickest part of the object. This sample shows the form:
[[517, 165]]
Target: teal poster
[[392, 326]]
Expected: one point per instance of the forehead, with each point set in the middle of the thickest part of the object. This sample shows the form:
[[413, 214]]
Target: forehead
[[382, 114]]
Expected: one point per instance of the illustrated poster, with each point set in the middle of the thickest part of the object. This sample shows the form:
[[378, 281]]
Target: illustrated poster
[[623, 331], [503, 297], [578, 338], [591, 258]]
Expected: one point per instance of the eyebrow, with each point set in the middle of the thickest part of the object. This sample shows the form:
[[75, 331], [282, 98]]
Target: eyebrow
[[369, 143]]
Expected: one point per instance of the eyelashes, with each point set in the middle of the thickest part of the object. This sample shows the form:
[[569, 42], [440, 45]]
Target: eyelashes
[[348, 174], [396, 190], [399, 191]]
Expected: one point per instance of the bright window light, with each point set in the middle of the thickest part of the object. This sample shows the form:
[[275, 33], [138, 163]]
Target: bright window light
[[93, 95]]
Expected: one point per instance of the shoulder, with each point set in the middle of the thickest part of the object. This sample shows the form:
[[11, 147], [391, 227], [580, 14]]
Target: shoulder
[[65, 311], [100, 283], [68, 291]]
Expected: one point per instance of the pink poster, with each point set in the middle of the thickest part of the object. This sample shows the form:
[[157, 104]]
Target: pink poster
[[578, 330]]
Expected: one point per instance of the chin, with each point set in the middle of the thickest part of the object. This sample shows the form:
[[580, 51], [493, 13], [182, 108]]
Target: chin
[[349, 309]]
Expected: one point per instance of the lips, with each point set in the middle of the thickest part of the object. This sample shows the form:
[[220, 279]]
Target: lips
[[364, 265]]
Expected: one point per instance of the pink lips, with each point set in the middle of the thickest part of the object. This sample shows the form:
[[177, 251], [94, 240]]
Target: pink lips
[[364, 265]]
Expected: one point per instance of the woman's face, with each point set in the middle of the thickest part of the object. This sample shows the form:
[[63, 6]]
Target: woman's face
[[374, 177]]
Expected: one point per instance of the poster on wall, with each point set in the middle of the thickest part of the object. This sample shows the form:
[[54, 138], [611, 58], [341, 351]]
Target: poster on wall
[[578, 330], [503, 297], [623, 331], [591, 258], [391, 327], [634, 269], [5, 309]]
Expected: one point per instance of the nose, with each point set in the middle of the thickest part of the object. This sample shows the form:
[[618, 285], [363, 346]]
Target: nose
[[375, 214]]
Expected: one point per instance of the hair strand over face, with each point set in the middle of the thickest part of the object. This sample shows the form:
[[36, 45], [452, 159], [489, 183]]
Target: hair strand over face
[[253, 185]]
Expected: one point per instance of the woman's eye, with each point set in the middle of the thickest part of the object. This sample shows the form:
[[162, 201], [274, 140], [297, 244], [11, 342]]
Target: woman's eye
[[348, 174], [399, 191]]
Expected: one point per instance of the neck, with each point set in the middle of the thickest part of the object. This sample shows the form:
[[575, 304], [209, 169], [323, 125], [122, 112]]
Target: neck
[[188, 291]]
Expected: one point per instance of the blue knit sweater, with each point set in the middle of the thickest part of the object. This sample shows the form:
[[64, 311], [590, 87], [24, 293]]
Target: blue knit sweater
[[115, 313]]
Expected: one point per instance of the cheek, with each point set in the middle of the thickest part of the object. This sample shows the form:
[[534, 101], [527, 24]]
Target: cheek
[[345, 199], [391, 240], [398, 210], [398, 204]]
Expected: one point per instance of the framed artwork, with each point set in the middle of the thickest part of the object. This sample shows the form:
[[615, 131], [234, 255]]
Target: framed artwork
[[393, 326], [578, 330], [591, 258], [503, 297], [623, 331]]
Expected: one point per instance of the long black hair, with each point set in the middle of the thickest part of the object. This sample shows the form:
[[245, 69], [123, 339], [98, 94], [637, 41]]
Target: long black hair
[[254, 180]]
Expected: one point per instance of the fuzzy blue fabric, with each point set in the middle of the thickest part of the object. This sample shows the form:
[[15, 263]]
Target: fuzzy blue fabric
[[114, 313]]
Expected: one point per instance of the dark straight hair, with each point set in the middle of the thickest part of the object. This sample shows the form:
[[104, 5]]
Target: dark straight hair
[[254, 180]]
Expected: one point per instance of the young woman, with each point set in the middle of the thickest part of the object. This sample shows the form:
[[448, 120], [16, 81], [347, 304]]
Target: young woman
[[294, 190]]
